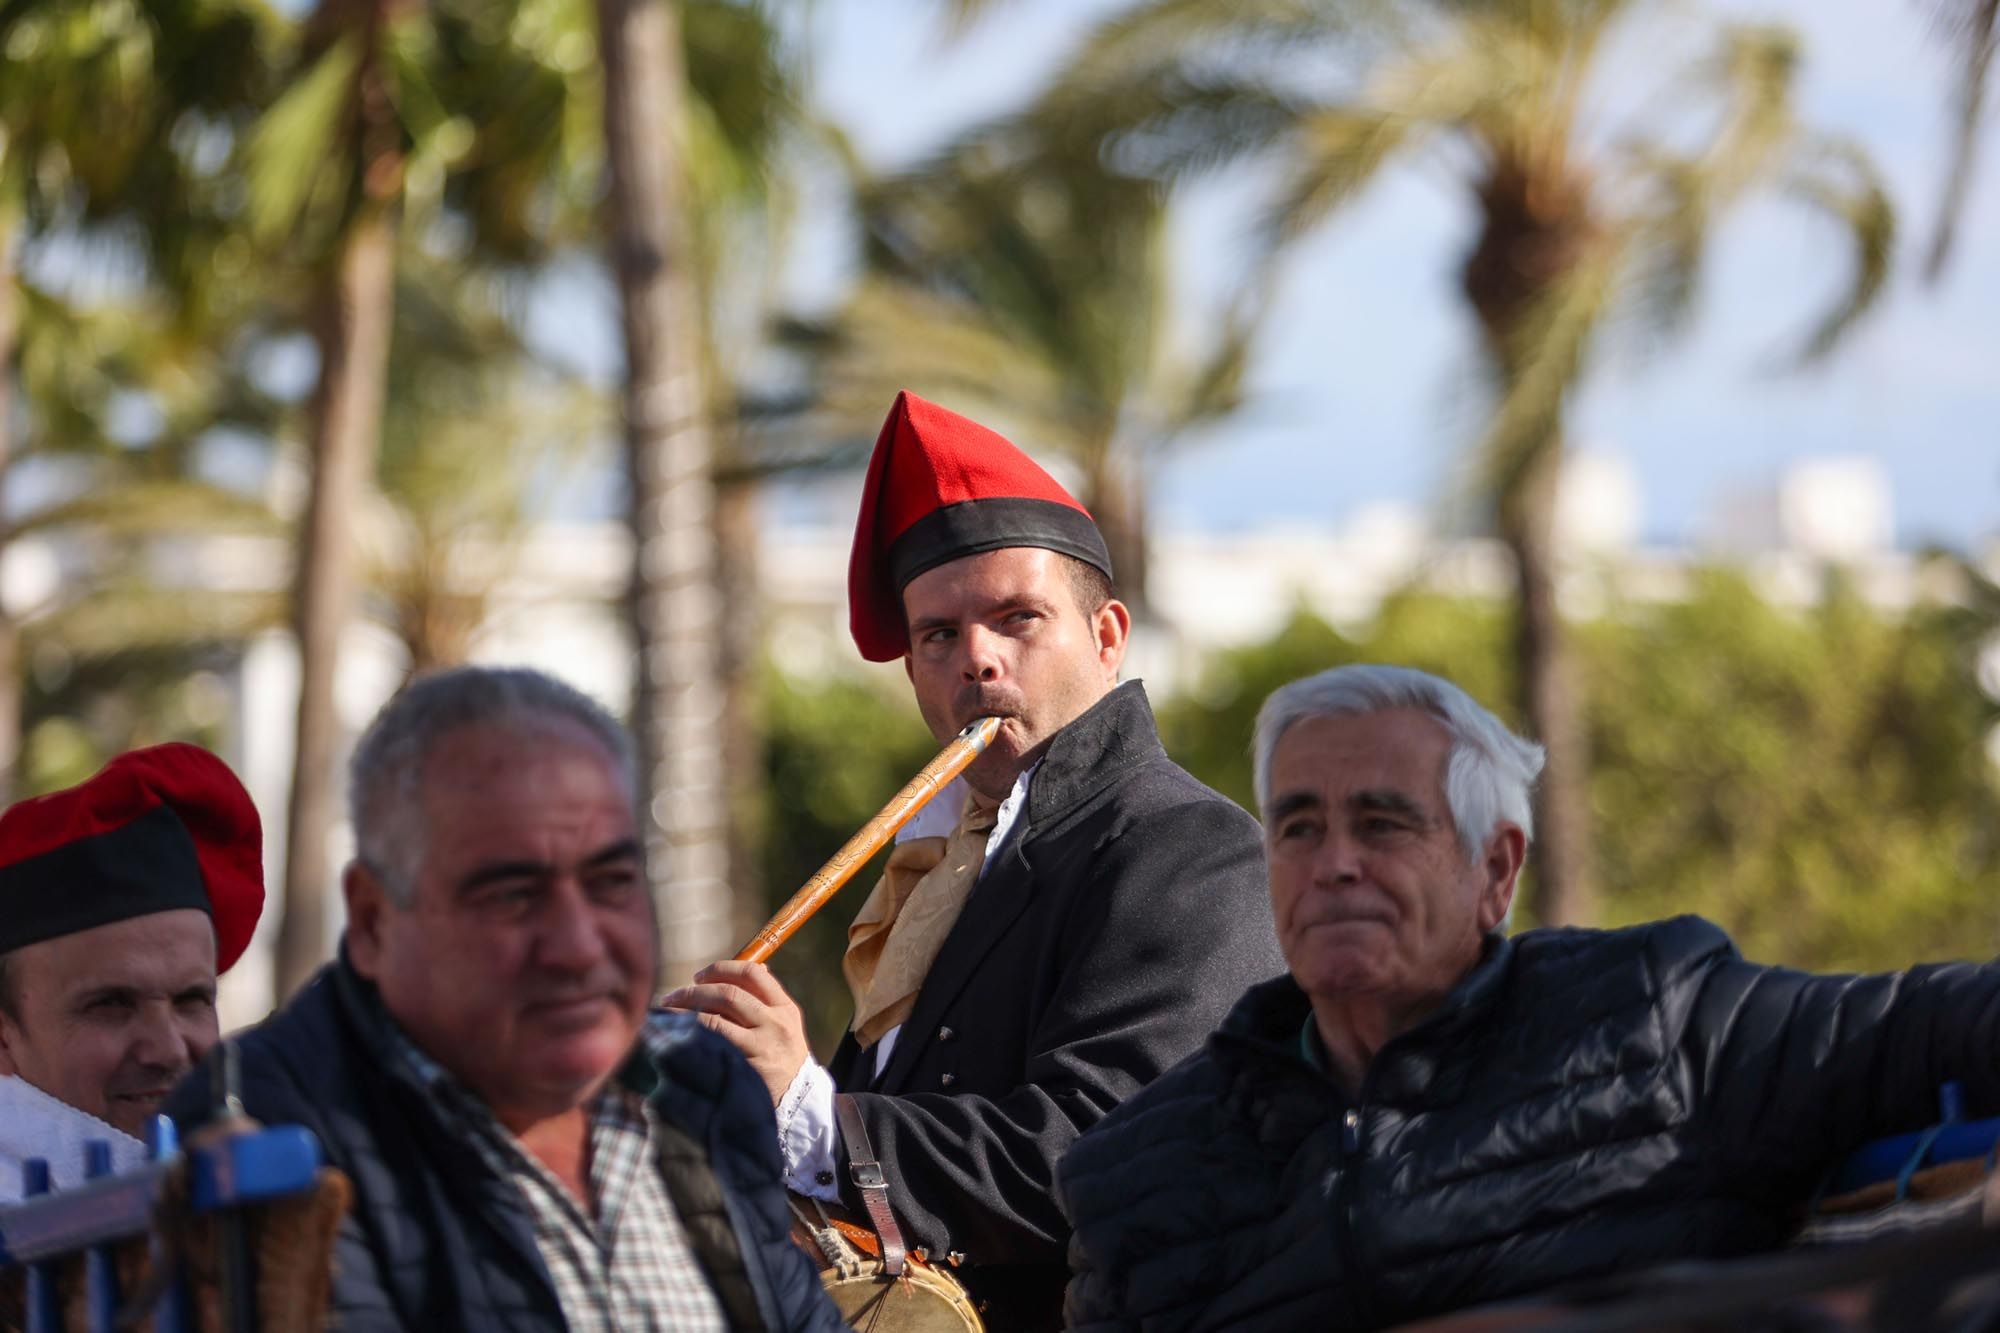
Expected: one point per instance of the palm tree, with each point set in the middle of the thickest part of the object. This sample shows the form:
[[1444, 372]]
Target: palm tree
[[458, 116], [1574, 226], [326, 170], [673, 604]]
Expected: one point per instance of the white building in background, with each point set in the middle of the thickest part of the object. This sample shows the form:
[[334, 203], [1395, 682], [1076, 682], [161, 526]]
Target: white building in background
[[558, 606]]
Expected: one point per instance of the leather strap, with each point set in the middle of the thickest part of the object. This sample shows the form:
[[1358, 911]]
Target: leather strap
[[866, 1173]]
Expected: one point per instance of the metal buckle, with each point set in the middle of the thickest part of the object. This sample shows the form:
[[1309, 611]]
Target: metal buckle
[[868, 1176]]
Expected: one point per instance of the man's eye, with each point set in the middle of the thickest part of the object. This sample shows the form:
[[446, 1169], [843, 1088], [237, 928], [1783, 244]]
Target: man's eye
[[110, 1004], [1294, 829], [195, 1000], [614, 885], [507, 897]]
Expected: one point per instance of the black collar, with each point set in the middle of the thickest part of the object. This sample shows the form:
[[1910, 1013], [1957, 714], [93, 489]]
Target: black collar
[[1110, 738]]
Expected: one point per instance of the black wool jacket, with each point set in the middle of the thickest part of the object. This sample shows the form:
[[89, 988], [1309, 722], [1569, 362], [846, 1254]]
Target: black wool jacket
[[436, 1240], [1123, 915], [1584, 1102]]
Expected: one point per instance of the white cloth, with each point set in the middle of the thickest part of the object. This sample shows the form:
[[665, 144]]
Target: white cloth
[[34, 1124], [807, 1138]]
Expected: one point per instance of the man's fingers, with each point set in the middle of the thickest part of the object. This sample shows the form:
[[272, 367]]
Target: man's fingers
[[730, 1003], [752, 977]]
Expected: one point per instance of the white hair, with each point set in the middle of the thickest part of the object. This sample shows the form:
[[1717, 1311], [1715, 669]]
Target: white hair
[[384, 795], [1489, 775]]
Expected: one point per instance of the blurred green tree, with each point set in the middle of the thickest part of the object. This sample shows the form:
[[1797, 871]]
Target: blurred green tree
[[1816, 781], [1576, 226], [105, 108]]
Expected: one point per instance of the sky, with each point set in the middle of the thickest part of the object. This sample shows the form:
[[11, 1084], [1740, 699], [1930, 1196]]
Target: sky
[[1361, 392]]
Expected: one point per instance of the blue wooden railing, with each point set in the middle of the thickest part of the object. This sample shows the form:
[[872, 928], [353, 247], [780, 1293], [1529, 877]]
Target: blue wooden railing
[[48, 1228]]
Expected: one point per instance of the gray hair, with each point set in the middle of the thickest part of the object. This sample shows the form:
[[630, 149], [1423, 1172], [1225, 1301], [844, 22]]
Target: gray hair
[[384, 777], [1489, 775]]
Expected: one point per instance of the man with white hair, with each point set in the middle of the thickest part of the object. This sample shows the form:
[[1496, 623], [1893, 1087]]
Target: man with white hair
[[1425, 1114]]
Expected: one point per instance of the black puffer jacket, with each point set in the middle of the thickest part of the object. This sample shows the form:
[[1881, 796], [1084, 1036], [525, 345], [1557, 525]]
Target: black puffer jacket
[[1585, 1101], [436, 1240]]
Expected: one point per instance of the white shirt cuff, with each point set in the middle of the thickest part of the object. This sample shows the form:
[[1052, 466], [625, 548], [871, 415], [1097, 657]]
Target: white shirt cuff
[[806, 1138]]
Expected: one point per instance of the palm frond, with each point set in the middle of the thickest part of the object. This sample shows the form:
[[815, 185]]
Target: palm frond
[[134, 615], [127, 510], [291, 144], [1135, 45], [1754, 74], [1338, 152], [1836, 178], [1974, 35]]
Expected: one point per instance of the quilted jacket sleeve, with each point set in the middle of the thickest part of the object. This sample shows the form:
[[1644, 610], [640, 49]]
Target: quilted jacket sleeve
[[1153, 1159], [1799, 1069], [1171, 924]]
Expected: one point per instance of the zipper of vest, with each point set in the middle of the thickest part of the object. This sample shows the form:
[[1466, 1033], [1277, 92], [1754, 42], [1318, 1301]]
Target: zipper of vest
[[1343, 1212]]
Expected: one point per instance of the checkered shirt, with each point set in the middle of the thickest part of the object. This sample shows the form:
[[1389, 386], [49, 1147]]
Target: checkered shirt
[[629, 1269]]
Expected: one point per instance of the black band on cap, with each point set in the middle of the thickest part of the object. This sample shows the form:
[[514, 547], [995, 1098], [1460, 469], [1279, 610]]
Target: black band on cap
[[137, 869], [975, 526]]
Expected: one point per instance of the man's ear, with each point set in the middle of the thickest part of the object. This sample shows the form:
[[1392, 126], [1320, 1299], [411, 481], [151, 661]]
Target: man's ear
[[10, 1034], [367, 905], [1500, 866], [1111, 626]]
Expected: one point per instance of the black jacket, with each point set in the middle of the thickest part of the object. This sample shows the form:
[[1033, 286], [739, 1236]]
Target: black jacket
[[1584, 1102], [1125, 912], [436, 1240]]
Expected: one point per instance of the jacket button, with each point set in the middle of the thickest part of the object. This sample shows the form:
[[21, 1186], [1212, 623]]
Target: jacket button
[[823, 1177], [947, 1080], [946, 1034]]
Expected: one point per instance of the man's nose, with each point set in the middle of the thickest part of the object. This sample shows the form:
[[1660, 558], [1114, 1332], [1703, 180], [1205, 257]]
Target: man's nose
[[983, 662], [1339, 859], [165, 1039], [572, 936]]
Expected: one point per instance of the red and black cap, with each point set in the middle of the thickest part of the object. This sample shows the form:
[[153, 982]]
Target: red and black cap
[[941, 486], [157, 829]]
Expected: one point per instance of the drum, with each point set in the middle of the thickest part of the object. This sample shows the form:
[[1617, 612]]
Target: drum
[[924, 1299]]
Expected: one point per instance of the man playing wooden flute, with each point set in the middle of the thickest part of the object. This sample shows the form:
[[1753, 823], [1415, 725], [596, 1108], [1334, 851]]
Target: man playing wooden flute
[[1056, 928]]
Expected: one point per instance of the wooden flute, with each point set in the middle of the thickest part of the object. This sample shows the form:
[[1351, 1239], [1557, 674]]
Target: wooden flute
[[854, 853]]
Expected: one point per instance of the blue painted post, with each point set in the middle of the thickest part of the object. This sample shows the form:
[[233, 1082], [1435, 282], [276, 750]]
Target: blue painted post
[[44, 1314], [173, 1313], [100, 1262]]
